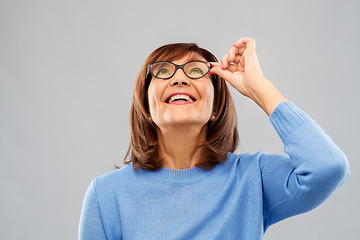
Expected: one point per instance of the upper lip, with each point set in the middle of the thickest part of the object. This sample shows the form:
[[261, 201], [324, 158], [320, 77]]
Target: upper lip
[[182, 93]]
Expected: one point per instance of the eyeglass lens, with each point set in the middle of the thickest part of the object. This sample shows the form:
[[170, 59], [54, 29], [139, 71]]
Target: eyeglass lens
[[165, 70]]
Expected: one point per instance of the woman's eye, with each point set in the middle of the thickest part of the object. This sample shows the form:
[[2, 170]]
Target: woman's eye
[[197, 70], [162, 72]]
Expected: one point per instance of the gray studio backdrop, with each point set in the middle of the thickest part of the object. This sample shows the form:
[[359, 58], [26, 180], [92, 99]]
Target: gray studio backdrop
[[67, 71]]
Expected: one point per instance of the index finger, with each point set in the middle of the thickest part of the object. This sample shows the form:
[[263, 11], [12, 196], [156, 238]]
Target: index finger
[[249, 42]]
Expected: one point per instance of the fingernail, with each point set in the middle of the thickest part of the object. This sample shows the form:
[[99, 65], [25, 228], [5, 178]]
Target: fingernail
[[210, 73]]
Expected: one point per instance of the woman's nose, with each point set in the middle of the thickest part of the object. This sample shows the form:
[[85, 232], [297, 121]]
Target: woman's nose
[[179, 79]]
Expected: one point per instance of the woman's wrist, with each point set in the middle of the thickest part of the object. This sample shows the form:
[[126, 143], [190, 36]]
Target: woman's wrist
[[266, 95]]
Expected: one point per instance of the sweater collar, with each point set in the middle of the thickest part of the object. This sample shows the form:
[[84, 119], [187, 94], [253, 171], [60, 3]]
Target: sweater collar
[[178, 176]]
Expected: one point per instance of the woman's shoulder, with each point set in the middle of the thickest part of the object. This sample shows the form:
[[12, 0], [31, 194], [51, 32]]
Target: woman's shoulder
[[116, 177], [259, 158], [245, 157], [246, 161]]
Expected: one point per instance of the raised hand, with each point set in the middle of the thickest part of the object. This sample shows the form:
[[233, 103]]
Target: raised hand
[[240, 67]]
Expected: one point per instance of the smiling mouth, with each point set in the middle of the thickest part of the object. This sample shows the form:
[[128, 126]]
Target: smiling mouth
[[180, 99]]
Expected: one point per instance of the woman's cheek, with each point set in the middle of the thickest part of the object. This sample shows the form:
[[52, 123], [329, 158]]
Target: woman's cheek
[[210, 92], [151, 99], [154, 99]]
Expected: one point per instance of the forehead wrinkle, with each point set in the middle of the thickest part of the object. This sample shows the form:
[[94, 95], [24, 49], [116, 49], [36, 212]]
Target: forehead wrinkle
[[192, 56], [188, 57]]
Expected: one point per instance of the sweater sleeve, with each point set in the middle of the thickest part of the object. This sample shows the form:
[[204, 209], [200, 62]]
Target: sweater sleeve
[[91, 224], [313, 169]]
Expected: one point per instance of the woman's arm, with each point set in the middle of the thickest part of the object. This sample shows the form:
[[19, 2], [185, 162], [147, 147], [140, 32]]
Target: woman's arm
[[91, 223], [314, 169], [315, 166]]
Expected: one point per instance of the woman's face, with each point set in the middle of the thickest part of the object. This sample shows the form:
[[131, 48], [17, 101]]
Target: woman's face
[[194, 111]]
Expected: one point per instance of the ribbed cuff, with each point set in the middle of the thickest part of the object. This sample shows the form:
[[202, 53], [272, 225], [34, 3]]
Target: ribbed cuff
[[286, 118]]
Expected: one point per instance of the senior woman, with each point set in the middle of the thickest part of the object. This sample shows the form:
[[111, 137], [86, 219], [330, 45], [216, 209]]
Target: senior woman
[[183, 180]]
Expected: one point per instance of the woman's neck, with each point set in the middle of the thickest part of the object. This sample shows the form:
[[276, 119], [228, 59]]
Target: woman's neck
[[178, 145]]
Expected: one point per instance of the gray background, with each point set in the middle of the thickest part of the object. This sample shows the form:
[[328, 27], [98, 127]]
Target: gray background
[[67, 71]]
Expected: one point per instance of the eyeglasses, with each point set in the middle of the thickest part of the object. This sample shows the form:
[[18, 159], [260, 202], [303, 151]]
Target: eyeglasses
[[166, 70]]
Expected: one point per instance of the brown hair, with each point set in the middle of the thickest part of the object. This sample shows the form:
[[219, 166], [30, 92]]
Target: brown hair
[[222, 134]]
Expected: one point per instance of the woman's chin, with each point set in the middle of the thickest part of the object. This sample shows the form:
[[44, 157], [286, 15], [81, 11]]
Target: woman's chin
[[184, 120], [183, 116]]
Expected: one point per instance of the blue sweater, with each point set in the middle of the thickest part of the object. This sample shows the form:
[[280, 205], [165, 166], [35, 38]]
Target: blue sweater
[[238, 199]]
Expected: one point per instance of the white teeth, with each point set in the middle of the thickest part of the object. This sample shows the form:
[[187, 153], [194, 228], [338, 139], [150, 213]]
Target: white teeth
[[180, 96]]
